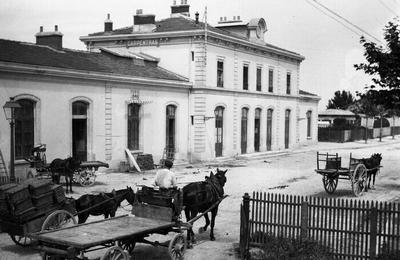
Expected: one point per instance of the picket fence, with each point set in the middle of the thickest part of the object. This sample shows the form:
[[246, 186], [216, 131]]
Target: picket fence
[[351, 229]]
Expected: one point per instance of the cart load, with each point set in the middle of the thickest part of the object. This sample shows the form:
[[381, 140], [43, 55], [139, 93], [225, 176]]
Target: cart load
[[24, 206]]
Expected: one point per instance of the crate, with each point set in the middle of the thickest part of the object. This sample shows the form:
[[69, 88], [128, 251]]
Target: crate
[[38, 187], [18, 194], [21, 206], [4, 188], [43, 200], [58, 193]]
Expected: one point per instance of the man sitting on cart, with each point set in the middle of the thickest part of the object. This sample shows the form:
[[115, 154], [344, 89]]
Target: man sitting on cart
[[165, 178]]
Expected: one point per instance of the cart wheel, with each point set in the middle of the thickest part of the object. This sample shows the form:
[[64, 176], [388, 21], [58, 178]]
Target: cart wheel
[[58, 219], [21, 240], [330, 183], [177, 247], [115, 253], [127, 245], [359, 179], [87, 178]]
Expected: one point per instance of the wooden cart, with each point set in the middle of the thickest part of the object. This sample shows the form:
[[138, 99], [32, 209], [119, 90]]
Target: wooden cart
[[39, 168], [329, 166], [157, 212]]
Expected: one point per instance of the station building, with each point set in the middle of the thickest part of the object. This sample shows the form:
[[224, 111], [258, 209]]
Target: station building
[[245, 96]]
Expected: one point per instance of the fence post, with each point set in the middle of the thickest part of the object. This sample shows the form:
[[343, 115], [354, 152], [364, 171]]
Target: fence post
[[246, 227], [373, 234], [304, 221]]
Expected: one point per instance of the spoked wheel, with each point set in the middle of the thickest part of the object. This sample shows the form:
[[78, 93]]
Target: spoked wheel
[[330, 183], [177, 247], [127, 245], [359, 179], [115, 253], [86, 177], [21, 240], [58, 219]]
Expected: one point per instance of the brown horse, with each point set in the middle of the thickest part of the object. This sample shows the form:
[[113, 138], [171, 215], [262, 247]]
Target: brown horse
[[102, 204], [372, 164], [200, 196], [65, 167]]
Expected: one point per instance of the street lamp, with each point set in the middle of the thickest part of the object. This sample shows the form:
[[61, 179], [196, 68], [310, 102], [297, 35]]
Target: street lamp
[[9, 110]]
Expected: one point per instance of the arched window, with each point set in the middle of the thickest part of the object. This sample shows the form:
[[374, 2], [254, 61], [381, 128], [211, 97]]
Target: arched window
[[24, 128], [79, 129], [243, 142], [269, 129], [257, 119], [133, 126], [308, 123], [170, 127], [219, 130]]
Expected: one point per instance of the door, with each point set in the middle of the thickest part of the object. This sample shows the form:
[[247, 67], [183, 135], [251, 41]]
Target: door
[[170, 127], [287, 128], [79, 130], [243, 141], [219, 123], [269, 129], [257, 117]]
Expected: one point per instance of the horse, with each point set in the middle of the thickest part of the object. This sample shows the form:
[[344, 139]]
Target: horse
[[102, 204], [65, 167], [372, 164], [200, 196]]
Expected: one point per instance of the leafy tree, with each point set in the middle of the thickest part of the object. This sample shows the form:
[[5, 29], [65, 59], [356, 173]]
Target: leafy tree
[[341, 100], [383, 64], [365, 105]]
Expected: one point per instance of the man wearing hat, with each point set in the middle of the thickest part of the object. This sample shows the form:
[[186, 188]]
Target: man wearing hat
[[165, 178]]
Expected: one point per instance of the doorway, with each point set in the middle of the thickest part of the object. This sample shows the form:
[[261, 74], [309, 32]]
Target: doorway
[[243, 141], [257, 118], [219, 130], [287, 128], [79, 130], [269, 129]]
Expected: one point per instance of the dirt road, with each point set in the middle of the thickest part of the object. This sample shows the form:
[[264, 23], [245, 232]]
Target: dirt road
[[291, 173]]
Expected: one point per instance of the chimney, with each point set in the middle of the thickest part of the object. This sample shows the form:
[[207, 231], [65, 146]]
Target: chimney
[[197, 17], [143, 22], [182, 9], [108, 24], [51, 39]]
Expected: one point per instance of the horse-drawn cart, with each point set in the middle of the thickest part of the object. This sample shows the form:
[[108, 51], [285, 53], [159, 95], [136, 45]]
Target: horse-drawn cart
[[31, 207], [329, 166], [85, 175], [156, 212]]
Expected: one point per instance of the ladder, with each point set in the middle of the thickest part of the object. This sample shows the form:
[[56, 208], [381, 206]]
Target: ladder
[[3, 167]]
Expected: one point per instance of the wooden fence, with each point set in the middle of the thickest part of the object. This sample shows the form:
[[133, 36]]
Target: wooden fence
[[351, 229]]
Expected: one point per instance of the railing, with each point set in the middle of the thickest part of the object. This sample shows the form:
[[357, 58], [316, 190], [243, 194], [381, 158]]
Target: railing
[[350, 228]]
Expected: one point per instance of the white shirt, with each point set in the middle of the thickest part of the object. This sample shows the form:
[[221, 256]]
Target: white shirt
[[165, 179]]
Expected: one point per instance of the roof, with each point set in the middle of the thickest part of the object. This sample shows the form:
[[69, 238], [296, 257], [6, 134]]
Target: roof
[[104, 62], [176, 24], [336, 112], [302, 92]]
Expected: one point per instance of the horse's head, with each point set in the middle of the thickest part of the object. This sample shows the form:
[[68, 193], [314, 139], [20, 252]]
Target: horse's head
[[377, 157], [221, 177], [130, 195]]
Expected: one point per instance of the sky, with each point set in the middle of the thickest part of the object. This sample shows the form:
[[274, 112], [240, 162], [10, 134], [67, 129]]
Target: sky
[[331, 48]]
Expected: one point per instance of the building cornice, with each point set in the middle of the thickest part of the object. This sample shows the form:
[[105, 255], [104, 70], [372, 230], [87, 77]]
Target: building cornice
[[191, 33], [88, 75]]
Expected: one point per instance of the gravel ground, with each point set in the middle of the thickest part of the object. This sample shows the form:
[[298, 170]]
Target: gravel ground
[[287, 173]]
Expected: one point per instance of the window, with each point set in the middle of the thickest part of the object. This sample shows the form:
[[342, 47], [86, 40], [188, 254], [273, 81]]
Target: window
[[79, 130], [220, 74], [258, 87], [271, 80], [170, 127], [245, 77], [309, 124], [133, 126], [24, 128], [288, 82]]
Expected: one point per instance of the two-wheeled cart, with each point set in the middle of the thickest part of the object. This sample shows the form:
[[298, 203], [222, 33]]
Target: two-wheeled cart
[[157, 212], [329, 166]]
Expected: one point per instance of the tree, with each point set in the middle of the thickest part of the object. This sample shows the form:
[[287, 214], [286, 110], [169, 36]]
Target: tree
[[341, 100], [383, 64], [365, 105]]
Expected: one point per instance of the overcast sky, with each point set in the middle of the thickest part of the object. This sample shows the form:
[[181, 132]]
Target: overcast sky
[[330, 48]]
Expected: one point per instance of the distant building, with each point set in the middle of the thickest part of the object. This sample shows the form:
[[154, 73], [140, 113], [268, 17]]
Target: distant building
[[245, 96], [330, 115]]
